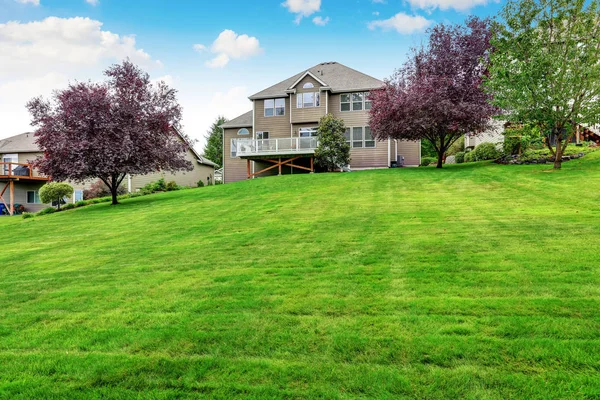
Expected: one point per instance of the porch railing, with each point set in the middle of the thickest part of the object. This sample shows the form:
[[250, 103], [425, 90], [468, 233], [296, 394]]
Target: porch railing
[[299, 145], [18, 170]]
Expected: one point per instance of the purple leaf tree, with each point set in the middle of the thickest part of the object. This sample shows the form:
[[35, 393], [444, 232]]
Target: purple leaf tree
[[125, 125], [437, 95]]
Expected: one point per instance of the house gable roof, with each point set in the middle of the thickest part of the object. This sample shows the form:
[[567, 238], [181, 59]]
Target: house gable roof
[[23, 143], [243, 121], [337, 77]]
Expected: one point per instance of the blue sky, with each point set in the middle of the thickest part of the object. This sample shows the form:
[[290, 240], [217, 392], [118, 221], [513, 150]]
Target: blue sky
[[216, 53]]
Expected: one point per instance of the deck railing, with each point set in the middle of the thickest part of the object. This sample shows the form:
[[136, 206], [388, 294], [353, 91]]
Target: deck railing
[[257, 147], [18, 170]]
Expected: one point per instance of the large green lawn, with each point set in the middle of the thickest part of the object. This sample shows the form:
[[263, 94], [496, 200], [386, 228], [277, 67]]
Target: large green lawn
[[478, 281]]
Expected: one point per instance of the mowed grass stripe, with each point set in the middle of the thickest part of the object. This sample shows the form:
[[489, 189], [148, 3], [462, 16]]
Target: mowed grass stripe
[[477, 281]]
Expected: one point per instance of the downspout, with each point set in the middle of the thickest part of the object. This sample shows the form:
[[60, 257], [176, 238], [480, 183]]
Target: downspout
[[389, 152], [223, 166]]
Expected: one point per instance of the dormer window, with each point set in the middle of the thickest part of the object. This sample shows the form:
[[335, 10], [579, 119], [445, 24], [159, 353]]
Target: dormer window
[[308, 85]]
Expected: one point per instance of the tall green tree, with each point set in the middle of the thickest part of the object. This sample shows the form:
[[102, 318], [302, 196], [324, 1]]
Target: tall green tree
[[213, 150], [545, 67], [333, 151]]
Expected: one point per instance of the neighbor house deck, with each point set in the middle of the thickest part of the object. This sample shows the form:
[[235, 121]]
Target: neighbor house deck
[[11, 172]]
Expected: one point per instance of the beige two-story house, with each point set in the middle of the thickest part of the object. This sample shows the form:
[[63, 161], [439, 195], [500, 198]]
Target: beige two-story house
[[279, 134], [20, 182]]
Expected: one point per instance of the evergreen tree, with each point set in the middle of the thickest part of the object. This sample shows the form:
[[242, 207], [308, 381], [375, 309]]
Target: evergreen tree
[[213, 150]]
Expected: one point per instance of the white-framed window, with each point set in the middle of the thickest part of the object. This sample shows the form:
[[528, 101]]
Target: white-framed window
[[369, 139], [360, 137], [308, 85], [77, 195], [243, 131], [308, 100], [233, 148], [274, 107], [368, 102], [262, 135], [33, 197], [307, 132], [9, 158], [358, 101]]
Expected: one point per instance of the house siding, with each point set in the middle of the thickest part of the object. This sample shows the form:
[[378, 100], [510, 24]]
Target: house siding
[[183, 178], [313, 114], [410, 151], [277, 126], [235, 169]]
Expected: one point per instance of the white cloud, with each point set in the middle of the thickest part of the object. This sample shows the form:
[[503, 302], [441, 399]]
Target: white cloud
[[302, 8], [40, 56], [402, 23], [200, 48], [229, 45], [459, 5], [34, 2], [93, 2], [320, 21]]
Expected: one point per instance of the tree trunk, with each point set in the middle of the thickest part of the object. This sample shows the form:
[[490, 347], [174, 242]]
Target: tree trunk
[[440, 161], [113, 192], [559, 153]]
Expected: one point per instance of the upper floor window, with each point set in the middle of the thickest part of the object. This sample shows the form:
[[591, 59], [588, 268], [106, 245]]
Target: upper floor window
[[274, 107], [308, 85], [307, 132], [308, 100], [360, 137], [9, 158], [233, 148], [243, 131], [355, 101]]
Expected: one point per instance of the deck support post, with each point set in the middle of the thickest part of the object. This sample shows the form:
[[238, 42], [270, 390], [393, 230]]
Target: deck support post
[[12, 198], [280, 166], [312, 165], [249, 172]]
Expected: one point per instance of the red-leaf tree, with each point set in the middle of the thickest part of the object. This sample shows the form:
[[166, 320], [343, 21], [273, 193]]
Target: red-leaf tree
[[126, 125], [437, 95]]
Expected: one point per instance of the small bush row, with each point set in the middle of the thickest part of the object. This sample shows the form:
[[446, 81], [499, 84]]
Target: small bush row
[[153, 187]]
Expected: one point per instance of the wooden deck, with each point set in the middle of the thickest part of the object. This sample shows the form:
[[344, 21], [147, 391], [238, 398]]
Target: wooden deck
[[11, 172]]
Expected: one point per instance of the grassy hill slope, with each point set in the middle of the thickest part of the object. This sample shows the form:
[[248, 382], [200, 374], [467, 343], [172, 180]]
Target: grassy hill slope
[[477, 281]]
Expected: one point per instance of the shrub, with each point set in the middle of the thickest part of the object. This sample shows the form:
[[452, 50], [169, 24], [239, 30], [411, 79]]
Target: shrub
[[45, 211], [333, 151], [426, 161], [153, 187], [27, 215], [469, 157], [172, 186], [99, 189], [459, 157], [69, 206], [81, 203], [55, 192], [486, 151], [200, 183]]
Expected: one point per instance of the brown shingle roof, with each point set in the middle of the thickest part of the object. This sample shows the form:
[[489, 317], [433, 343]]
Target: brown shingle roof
[[23, 143], [243, 121], [338, 78]]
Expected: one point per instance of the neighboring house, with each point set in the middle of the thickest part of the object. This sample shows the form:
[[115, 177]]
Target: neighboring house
[[493, 135], [20, 183], [279, 135]]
